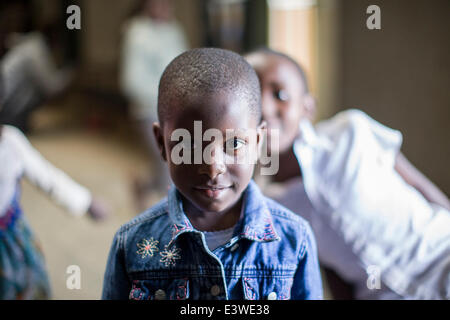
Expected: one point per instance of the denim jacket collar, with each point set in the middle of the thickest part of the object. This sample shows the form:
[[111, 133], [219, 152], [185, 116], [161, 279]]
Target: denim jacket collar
[[256, 223]]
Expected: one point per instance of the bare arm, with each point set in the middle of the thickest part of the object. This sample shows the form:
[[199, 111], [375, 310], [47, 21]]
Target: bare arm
[[419, 181]]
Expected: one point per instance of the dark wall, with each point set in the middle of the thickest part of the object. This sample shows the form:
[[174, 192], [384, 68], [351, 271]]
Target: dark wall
[[400, 75]]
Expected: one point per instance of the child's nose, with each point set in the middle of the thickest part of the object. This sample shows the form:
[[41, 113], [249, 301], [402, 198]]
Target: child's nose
[[213, 164]]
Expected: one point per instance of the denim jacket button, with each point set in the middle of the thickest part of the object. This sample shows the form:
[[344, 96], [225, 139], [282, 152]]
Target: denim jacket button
[[272, 296], [160, 294], [215, 290], [233, 248]]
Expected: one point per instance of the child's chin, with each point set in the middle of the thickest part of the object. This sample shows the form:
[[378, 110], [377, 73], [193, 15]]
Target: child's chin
[[212, 205]]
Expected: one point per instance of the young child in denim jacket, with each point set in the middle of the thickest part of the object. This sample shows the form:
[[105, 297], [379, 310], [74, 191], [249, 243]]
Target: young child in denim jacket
[[380, 225], [215, 236]]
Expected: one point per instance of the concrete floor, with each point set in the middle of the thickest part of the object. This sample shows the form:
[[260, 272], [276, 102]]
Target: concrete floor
[[104, 160]]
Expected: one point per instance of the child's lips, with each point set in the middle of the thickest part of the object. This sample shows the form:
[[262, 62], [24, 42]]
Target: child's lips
[[212, 191]]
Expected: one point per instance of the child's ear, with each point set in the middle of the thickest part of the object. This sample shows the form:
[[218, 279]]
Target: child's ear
[[159, 136], [309, 103]]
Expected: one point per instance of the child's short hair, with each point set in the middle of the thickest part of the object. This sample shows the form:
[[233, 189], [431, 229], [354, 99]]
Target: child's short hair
[[208, 70]]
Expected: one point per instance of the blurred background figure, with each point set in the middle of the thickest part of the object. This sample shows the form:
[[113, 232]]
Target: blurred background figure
[[30, 72], [30, 76], [152, 39]]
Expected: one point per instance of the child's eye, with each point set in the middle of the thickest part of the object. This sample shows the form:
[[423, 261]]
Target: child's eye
[[281, 95], [234, 144]]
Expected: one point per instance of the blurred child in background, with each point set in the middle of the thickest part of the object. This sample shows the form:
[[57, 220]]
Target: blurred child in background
[[380, 224], [22, 268], [152, 39], [30, 76]]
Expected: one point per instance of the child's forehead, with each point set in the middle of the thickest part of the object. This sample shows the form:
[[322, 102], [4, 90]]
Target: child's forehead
[[276, 69], [265, 59], [278, 63], [214, 110]]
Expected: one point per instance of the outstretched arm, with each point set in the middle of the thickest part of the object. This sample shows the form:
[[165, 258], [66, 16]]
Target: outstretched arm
[[53, 181], [419, 181]]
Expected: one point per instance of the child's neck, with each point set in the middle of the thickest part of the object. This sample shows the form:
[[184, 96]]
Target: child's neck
[[289, 166], [212, 221]]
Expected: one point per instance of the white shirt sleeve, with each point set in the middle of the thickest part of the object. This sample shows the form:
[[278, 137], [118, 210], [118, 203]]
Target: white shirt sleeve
[[374, 135], [58, 185], [380, 220], [332, 154]]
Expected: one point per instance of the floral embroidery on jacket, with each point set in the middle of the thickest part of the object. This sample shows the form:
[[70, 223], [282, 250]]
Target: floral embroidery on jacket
[[169, 256], [147, 247]]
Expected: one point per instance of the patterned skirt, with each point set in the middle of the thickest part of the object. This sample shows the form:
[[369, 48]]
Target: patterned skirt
[[22, 267]]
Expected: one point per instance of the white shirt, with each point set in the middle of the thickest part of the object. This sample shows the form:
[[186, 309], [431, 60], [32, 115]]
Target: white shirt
[[18, 158], [149, 47], [364, 214]]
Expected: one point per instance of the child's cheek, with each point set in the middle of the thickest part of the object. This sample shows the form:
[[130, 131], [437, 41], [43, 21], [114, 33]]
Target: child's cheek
[[242, 156], [242, 172]]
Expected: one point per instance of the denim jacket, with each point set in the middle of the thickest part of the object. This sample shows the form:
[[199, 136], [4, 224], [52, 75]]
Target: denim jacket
[[159, 255]]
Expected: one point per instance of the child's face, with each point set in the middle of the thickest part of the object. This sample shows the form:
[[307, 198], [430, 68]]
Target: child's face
[[283, 96], [214, 185], [160, 10]]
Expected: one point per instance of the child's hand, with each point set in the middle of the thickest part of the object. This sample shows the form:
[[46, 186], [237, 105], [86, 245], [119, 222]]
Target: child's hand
[[98, 210]]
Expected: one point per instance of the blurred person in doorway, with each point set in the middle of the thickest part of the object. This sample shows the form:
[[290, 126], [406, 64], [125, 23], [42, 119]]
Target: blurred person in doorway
[[152, 39]]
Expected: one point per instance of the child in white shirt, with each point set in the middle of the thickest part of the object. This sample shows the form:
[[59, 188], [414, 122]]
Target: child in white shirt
[[380, 224], [22, 268]]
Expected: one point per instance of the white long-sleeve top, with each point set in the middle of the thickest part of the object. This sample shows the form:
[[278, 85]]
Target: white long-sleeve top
[[364, 215], [19, 159], [148, 48]]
